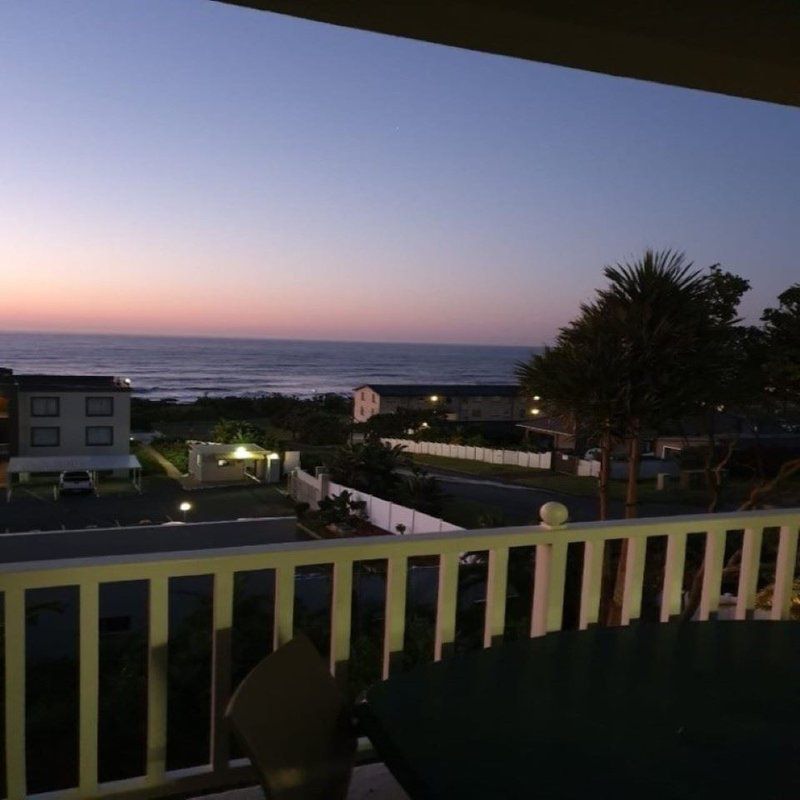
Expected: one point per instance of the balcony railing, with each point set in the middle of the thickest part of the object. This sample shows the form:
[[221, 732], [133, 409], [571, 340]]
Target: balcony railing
[[548, 594]]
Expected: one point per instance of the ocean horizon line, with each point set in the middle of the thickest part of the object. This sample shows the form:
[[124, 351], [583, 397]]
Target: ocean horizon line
[[213, 337]]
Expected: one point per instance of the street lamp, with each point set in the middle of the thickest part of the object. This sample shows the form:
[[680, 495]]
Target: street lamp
[[536, 398], [185, 507], [536, 411], [434, 398]]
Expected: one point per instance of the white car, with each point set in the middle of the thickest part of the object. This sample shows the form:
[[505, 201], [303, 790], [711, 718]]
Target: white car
[[75, 482]]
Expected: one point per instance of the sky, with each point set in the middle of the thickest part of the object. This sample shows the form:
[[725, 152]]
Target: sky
[[187, 167]]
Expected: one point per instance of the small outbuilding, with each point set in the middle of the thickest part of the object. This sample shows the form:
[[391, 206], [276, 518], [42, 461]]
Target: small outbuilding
[[210, 462]]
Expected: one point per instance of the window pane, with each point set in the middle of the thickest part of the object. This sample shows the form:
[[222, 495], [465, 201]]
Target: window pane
[[44, 437], [44, 406], [100, 435], [99, 406]]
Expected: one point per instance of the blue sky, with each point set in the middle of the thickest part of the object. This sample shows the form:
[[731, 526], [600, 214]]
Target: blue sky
[[182, 166]]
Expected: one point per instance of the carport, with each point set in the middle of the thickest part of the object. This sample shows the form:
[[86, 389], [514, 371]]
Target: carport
[[33, 465]]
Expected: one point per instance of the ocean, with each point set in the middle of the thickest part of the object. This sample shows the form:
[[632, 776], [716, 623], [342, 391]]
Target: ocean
[[186, 368]]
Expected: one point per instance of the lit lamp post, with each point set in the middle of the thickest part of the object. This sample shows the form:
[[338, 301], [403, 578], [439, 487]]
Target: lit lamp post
[[185, 507]]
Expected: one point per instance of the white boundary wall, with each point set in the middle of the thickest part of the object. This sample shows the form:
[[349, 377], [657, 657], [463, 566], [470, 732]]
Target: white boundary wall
[[305, 488], [516, 458]]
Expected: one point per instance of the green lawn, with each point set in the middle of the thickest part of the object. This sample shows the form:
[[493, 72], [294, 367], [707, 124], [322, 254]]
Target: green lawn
[[174, 450], [537, 478], [149, 465]]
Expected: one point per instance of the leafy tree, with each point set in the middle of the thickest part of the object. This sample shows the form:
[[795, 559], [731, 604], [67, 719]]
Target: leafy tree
[[782, 340], [370, 466], [423, 492], [342, 509], [238, 431], [578, 380]]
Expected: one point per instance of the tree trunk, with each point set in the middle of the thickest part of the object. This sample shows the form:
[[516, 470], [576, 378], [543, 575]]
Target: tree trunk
[[634, 460], [605, 469], [631, 503]]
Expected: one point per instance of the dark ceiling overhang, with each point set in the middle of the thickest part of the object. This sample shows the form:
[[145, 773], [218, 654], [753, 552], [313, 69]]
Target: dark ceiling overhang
[[743, 48]]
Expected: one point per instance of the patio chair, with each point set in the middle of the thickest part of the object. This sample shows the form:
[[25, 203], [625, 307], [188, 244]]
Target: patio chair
[[297, 730]]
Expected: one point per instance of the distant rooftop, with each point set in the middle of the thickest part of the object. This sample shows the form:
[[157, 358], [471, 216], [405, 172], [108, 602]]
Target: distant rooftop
[[444, 389], [63, 383]]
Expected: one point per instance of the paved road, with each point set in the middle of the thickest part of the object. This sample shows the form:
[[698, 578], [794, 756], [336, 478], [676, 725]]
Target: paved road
[[520, 504]]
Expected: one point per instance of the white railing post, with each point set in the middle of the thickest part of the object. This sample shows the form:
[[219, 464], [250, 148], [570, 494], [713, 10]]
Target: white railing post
[[89, 666], [634, 578], [784, 573], [549, 574], [712, 573], [395, 613], [672, 595], [221, 668], [591, 583], [158, 640], [446, 602], [284, 606], [496, 591], [748, 572], [14, 641], [341, 618]]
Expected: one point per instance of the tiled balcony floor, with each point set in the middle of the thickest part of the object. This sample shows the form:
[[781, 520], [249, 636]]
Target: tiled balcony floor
[[370, 782]]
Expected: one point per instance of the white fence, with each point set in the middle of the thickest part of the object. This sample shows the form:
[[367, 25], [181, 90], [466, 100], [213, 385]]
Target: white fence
[[384, 514], [514, 458]]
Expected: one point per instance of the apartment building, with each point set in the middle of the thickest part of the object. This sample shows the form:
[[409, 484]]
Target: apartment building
[[48, 418], [457, 402]]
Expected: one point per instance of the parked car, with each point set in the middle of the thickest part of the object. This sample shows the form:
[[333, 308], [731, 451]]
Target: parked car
[[76, 482]]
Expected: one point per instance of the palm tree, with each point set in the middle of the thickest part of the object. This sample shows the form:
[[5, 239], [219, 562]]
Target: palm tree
[[659, 313], [578, 381]]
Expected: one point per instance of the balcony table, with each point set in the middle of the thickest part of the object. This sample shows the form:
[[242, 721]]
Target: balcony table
[[694, 710]]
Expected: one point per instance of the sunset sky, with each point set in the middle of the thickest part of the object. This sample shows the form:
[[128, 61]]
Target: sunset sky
[[181, 166]]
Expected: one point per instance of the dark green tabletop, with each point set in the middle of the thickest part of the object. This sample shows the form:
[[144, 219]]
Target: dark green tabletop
[[700, 710]]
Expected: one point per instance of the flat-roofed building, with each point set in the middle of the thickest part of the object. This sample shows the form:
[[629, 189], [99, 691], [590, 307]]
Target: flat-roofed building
[[456, 402], [47, 417]]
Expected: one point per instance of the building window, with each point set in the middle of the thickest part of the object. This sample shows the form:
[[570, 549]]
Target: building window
[[45, 406], [99, 435], [45, 437], [363, 394], [361, 411], [99, 406]]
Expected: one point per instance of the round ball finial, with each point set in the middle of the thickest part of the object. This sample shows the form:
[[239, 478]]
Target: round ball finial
[[553, 514]]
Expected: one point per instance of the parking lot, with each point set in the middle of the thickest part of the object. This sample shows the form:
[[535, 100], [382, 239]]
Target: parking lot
[[117, 503]]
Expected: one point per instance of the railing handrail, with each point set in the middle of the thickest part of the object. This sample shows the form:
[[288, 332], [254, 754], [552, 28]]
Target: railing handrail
[[370, 548]]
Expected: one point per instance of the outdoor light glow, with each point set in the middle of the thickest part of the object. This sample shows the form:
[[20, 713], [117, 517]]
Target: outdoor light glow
[[434, 398], [425, 425], [184, 506], [535, 411], [241, 452], [536, 397]]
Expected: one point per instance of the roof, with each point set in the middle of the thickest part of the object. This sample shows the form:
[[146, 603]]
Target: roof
[[138, 540], [744, 48], [17, 464], [444, 389], [239, 450], [65, 383], [547, 425]]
